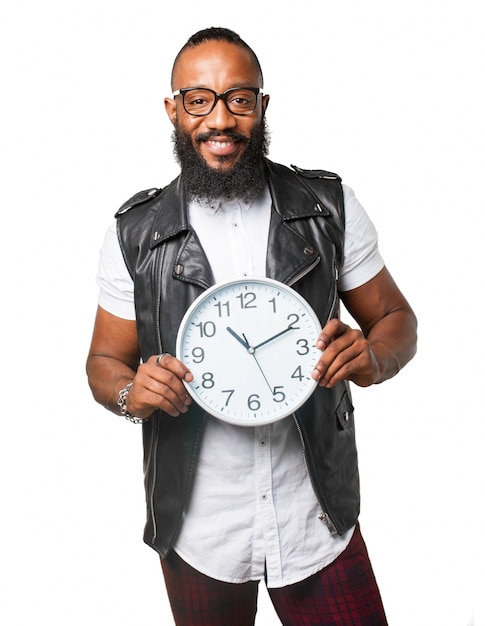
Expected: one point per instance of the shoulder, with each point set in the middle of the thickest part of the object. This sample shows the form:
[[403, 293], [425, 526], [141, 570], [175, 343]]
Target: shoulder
[[138, 199], [144, 206], [325, 186], [316, 174], [141, 209], [294, 171]]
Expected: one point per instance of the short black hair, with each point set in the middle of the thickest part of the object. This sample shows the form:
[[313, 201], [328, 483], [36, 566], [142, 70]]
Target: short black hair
[[216, 33]]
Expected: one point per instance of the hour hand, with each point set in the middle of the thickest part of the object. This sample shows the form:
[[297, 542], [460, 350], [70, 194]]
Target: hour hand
[[242, 341]]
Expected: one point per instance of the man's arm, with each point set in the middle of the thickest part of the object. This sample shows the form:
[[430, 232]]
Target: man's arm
[[384, 344], [114, 361]]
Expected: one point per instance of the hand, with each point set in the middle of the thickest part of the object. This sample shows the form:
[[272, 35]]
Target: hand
[[158, 385], [347, 355]]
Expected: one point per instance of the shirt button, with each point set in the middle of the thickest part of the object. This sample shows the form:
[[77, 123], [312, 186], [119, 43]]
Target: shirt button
[[262, 442], [264, 496]]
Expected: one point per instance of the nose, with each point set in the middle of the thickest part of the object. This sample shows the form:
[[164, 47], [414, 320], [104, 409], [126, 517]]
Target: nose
[[220, 117]]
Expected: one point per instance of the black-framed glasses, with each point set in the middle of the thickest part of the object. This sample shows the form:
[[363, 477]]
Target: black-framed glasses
[[201, 101]]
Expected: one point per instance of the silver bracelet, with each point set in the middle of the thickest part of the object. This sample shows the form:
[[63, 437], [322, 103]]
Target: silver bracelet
[[122, 404]]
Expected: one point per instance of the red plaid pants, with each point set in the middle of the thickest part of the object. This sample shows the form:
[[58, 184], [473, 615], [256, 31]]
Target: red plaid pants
[[344, 593]]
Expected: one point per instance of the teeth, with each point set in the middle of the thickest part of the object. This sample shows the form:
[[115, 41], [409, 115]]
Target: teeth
[[222, 144]]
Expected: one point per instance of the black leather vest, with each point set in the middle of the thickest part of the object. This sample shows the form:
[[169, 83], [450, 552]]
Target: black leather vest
[[170, 269]]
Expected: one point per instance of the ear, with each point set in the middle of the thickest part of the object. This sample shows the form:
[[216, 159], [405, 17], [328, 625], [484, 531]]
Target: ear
[[265, 102], [171, 109]]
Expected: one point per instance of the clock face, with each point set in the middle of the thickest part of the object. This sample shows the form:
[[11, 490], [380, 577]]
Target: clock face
[[250, 344]]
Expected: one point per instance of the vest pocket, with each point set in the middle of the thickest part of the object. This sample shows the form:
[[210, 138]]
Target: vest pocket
[[344, 412]]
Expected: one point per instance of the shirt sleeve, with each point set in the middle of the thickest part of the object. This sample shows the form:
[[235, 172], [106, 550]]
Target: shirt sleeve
[[116, 294], [362, 259]]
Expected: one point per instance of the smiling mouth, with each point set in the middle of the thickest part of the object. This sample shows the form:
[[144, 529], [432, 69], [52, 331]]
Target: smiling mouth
[[221, 139], [221, 147], [220, 144]]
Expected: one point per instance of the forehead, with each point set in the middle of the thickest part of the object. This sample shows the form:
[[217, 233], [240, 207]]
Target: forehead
[[218, 65]]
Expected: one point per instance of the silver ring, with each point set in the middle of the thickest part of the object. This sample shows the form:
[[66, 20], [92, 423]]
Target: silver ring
[[160, 357]]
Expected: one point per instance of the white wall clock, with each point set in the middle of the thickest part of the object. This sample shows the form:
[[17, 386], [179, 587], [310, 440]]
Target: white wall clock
[[250, 344]]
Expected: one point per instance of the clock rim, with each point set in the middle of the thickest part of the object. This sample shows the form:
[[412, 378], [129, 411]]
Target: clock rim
[[207, 294]]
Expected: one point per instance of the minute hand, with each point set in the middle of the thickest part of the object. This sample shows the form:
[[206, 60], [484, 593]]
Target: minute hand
[[273, 337]]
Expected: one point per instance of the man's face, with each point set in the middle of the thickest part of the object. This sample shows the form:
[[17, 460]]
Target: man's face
[[221, 137]]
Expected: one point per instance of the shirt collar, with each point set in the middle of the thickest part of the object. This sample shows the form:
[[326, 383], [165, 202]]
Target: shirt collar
[[226, 202]]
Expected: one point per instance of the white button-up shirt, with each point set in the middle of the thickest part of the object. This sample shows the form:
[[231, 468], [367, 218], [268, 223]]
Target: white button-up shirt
[[253, 513]]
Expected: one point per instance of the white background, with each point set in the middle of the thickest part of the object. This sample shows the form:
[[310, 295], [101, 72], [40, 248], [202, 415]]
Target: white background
[[389, 95]]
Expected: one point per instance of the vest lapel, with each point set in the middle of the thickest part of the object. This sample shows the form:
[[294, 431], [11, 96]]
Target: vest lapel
[[171, 227], [291, 253]]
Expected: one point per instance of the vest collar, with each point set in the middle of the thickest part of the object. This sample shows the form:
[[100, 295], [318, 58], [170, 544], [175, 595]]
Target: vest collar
[[291, 200], [171, 219]]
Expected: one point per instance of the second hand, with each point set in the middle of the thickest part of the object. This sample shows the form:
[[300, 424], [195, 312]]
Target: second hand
[[251, 351]]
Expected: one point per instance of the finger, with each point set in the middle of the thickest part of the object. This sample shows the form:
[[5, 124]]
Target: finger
[[357, 363], [343, 367], [152, 394], [343, 337], [159, 358], [340, 360], [173, 401], [333, 328], [171, 363], [159, 385]]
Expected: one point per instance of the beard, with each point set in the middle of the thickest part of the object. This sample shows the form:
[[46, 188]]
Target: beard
[[245, 180]]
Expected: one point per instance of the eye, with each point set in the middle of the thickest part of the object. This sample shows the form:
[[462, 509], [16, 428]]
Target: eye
[[196, 98], [242, 100], [239, 100]]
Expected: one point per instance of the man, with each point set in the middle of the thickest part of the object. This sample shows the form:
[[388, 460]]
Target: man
[[228, 506]]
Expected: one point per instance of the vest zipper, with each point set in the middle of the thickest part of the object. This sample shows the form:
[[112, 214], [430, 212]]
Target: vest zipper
[[324, 517], [158, 299], [335, 289], [154, 446], [304, 272], [309, 269]]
